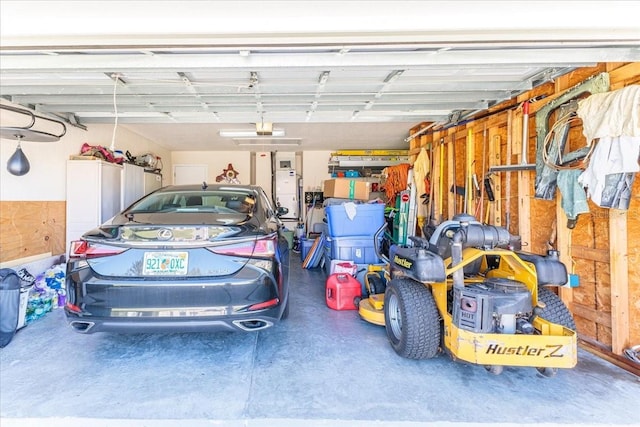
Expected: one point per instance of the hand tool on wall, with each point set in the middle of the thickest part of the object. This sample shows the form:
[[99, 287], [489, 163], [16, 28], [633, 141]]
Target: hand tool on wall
[[484, 157], [524, 151], [507, 200], [454, 187]]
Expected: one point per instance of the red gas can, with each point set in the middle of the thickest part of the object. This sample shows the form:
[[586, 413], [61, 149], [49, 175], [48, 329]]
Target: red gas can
[[341, 290]]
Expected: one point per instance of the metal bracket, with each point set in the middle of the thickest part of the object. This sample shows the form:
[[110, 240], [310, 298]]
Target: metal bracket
[[27, 133]]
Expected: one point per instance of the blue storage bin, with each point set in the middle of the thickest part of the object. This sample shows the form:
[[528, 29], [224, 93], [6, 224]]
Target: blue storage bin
[[359, 249], [368, 219], [305, 246]]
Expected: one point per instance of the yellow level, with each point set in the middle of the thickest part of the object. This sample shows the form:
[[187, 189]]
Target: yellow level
[[371, 153]]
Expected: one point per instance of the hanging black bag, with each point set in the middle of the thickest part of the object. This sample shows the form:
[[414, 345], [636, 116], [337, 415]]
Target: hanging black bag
[[9, 305]]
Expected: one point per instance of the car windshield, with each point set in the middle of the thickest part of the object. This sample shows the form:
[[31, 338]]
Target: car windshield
[[220, 202]]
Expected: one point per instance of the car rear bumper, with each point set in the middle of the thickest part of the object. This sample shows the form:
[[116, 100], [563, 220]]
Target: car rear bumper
[[248, 322], [251, 300]]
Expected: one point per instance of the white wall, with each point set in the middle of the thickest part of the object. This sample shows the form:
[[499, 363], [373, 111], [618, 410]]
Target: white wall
[[315, 169], [46, 179], [216, 161]]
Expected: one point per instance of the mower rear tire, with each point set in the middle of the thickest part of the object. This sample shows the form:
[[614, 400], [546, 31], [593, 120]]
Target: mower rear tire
[[555, 311], [411, 319]]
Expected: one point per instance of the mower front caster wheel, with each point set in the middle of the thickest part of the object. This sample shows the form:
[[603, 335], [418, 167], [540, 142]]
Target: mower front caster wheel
[[494, 369], [548, 372]]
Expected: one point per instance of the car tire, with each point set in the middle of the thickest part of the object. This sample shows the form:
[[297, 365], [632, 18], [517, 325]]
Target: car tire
[[555, 310], [411, 319]]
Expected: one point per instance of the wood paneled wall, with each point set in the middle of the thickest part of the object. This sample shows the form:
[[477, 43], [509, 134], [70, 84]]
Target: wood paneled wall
[[604, 247], [31, 228]]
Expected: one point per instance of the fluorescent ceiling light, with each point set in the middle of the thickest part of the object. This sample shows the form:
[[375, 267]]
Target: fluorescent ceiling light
[[266, 141], [249, 133]]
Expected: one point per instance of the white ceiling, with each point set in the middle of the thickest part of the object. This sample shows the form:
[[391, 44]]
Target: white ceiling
[[346, 74]]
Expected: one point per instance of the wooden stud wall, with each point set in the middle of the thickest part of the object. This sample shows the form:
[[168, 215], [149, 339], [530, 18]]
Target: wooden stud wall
[[603, 249]]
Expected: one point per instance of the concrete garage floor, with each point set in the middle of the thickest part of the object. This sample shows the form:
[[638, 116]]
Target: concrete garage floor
[[318, 368]]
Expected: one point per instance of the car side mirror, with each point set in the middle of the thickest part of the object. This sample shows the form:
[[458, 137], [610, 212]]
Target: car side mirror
[[281, 210]]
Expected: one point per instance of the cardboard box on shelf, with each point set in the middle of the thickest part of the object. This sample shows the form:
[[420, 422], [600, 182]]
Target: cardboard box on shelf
[[344, 188]]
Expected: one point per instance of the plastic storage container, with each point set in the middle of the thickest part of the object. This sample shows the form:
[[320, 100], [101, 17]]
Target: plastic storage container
[[368, 219], [359, 249], [305, 245], [341, 290]]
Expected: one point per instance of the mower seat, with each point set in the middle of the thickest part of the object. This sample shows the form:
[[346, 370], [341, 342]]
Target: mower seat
[[549, 269]]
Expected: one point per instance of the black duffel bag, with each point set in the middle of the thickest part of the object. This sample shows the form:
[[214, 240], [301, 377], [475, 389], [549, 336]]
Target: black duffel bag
[[9, 305]]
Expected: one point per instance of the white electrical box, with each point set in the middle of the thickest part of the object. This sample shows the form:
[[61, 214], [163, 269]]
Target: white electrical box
[[285, 161]]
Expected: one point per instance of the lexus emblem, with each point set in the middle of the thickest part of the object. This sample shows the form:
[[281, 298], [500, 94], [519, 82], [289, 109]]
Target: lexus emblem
[[165, 234]]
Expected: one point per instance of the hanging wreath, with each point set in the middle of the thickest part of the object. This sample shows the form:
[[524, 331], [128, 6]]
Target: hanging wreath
[[229, 175]]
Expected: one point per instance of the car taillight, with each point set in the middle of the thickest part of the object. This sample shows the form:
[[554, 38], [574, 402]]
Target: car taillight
[[254, 248], [84, 249], [73, 308]]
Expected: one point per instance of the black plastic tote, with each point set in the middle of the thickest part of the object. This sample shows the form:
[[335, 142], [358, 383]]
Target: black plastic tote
[[9, 304]]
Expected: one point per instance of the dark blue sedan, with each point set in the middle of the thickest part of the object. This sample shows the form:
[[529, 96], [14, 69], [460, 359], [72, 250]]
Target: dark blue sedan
[[181, 259]]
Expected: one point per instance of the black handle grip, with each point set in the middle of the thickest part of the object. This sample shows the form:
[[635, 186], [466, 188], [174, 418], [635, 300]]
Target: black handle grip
[[489, 190]]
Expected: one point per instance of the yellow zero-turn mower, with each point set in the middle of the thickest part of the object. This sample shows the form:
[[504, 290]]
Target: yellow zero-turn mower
[[463, 291]]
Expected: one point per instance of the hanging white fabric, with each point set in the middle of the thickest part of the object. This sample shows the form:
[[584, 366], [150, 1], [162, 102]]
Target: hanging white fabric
[[611, 114]]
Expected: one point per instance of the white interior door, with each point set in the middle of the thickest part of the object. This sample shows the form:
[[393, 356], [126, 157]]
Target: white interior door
[[189, 174]]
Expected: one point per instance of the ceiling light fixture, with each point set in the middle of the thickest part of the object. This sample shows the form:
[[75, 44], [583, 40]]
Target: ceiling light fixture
[[246, 142], [239, 133]]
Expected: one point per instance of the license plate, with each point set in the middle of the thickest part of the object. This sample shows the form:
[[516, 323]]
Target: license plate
[[165, 263]]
